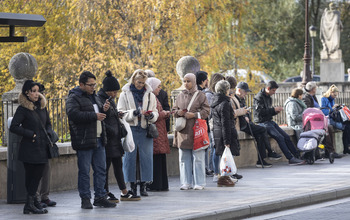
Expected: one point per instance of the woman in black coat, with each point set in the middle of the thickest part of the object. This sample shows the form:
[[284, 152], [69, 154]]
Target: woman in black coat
[[33, 149], [225, 133], [114, 148]]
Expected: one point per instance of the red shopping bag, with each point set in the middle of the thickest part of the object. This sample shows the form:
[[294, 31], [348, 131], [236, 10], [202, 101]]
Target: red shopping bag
[[346, 111], [200, 133]]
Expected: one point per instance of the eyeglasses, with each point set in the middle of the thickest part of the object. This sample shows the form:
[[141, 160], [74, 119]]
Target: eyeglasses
[[91, 85]]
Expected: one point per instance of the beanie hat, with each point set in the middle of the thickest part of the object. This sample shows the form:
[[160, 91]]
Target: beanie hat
[[110, 83], [201, 76], [153, 83]]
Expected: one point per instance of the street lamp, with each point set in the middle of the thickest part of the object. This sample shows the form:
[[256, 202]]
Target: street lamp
[[306, 73], [313, 33]]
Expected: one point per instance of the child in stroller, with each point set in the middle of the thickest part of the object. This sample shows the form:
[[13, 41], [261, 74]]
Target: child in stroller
[[315, 125]]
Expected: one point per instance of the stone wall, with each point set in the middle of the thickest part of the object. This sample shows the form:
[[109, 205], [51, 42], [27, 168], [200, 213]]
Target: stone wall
[[65, 171]]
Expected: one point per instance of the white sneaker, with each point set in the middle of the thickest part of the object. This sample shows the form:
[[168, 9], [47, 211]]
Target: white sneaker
[[185, 187], [198, 187], [216, 177]]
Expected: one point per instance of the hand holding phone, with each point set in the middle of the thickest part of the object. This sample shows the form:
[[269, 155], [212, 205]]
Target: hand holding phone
[[110, 98]]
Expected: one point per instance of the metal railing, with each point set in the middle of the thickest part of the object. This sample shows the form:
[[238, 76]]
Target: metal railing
[[59, 119]]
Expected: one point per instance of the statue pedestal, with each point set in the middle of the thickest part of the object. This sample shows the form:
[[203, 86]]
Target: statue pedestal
[[332, 67]]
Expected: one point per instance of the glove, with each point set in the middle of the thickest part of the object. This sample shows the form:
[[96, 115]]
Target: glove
[[136, 112]]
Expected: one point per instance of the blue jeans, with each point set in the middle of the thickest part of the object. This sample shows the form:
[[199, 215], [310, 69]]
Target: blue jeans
[[216, 162], [209, 153], [144, 146], [97, 159], [192, 162], [282, 138]]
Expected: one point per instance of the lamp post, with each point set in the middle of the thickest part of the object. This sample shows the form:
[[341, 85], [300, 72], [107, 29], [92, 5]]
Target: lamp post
[[306, 73], [313, 33]]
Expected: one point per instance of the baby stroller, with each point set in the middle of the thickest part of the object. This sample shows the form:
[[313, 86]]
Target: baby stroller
[[315, 126]]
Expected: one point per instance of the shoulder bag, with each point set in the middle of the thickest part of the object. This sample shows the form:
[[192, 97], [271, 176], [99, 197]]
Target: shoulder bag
[[53, 148], [180, 122], [152, 131]]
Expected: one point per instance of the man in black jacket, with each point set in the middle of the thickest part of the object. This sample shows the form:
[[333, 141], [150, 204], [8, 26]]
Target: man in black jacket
[[259, 132], [88, 139], [263, 113]]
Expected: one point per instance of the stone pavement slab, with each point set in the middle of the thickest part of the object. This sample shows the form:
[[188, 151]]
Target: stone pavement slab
[[260, 191]]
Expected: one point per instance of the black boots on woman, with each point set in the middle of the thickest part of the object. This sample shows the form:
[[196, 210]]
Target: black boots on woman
[[29, 207]]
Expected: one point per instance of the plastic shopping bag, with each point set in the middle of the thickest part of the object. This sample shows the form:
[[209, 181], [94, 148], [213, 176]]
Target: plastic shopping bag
[[227, 164], [346, 110], [128, 142], [200, 135]]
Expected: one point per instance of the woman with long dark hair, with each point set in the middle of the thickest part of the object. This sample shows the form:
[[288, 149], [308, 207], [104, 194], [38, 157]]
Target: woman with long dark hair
[[33, 150]]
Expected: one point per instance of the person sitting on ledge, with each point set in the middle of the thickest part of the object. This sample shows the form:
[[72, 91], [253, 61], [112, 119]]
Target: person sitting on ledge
[[263, 113], [244, 124]]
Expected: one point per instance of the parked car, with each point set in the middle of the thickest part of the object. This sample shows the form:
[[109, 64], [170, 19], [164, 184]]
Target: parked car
[[316, 78], [242, 73]]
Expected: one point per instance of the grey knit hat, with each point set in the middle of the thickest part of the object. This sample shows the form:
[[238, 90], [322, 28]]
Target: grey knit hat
[[222, 86]]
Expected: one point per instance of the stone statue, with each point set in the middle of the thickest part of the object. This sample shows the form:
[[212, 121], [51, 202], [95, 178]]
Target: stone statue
[[331, 26]]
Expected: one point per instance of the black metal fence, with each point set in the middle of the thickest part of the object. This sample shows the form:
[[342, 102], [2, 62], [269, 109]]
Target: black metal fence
[[59, 120]]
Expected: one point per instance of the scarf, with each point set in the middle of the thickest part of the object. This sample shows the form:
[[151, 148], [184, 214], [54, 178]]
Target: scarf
[[138, 94]]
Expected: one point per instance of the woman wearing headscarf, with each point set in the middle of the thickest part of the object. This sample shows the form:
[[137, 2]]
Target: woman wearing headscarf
[[160, 144], [192, 163], [28, 122], [140, 105]]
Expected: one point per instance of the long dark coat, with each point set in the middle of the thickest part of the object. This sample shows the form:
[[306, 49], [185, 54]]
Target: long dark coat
[[224, 129], [25, 123]]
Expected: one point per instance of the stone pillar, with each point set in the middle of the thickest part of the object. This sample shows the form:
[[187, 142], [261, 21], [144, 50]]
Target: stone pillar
[[22, 66], [332, 67]]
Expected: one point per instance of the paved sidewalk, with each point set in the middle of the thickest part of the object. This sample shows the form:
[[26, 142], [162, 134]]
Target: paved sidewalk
[[260, 191]]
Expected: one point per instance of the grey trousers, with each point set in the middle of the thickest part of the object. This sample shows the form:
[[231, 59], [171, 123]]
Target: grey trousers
[[44, 185]]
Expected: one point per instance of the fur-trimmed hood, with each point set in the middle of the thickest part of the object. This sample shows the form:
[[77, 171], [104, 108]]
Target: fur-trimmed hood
[[23, 101]]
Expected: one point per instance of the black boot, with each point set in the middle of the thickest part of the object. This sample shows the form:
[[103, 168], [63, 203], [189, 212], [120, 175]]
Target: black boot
[[29, 207], [39, 205], [143, 189], [133, 186]]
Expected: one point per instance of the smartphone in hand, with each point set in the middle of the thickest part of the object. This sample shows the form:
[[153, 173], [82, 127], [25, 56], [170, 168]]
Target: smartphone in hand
[[110, 98]]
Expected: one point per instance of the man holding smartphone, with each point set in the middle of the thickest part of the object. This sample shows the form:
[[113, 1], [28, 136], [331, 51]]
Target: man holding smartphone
[[245, 125], [263, 113]]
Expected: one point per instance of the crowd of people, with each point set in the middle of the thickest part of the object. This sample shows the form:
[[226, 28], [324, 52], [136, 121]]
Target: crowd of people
[[97, 128]]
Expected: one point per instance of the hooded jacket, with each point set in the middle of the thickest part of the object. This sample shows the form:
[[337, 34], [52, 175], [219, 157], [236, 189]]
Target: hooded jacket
[[263, 110], [83, 119], [224, 129], [294, 112], [25, 123], [113, 146]]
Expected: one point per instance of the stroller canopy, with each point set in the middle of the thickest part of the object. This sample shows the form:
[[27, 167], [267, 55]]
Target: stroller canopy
[[313, 118]]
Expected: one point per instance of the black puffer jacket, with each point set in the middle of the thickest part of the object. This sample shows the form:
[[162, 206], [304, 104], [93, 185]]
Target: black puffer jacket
[[263, 110], [114, 145], [83, 119], [224, 130], [25, 123]]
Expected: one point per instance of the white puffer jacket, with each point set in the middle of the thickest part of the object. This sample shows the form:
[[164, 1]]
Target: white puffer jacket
[[126, 104]]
